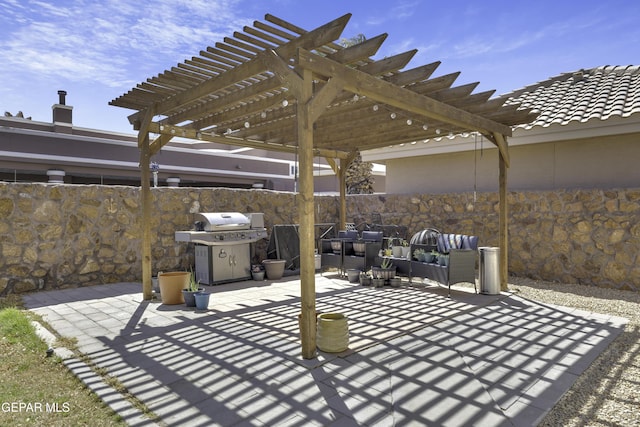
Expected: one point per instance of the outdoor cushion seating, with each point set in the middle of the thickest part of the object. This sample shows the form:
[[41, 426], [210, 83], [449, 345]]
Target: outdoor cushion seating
[[462, 251]]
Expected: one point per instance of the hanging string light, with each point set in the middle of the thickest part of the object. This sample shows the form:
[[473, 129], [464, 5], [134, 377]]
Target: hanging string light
[[409, 121]]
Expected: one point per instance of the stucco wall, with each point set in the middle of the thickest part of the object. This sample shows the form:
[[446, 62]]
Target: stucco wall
[[599, 162], [54, 236]]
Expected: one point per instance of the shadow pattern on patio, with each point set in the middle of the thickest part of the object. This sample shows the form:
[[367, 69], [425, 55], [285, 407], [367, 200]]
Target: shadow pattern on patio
[[415, 356]]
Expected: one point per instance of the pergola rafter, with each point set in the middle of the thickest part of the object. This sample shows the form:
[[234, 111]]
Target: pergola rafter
[[276, 86]]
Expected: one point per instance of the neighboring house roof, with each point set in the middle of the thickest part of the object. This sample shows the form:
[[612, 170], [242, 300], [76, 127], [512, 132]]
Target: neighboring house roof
[[589, 94], [586, 103]]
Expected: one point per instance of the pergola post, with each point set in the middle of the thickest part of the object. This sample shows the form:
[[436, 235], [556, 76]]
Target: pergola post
[[304, 124], [145, 192], [503, 234], [342, 178], [503, 218]]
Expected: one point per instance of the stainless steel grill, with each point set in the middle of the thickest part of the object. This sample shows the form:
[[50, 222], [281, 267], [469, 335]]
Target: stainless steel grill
[[223, 245]]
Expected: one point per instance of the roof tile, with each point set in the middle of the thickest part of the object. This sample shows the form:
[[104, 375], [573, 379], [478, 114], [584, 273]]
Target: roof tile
[[583, 95]]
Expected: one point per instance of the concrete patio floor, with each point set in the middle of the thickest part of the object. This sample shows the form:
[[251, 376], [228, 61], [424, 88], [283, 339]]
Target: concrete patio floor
[[415, 356]]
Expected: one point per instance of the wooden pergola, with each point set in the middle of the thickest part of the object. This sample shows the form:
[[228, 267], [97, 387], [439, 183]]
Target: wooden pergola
[[275, 86]]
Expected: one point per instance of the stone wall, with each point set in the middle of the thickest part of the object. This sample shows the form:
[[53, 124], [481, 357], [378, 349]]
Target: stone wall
[[55, 236], [591, 237]]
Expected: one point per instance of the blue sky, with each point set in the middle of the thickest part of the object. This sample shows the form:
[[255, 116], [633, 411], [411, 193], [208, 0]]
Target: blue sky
[[98, 50]]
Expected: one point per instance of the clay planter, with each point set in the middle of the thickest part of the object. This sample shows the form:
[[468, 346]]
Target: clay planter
[[189, 297], [359, 248], [171, 285], [202, 300], [274, 268], [332, 335], [384, 273], [365, 280], [353, 275], [406, 251], [377, 282]]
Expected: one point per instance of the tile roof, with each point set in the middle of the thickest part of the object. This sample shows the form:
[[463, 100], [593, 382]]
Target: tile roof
[[584, 95]]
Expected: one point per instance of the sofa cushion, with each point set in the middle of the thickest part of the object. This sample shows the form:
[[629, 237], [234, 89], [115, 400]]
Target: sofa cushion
[[448, 241]]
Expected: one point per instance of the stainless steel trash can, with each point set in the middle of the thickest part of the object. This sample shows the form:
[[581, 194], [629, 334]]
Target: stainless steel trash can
[[489, 270]]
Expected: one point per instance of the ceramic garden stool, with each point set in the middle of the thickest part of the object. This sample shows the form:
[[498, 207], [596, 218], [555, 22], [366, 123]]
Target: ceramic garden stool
[[333, 332]]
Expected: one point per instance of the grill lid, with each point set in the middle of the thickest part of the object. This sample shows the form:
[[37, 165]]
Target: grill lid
[[219, 221]]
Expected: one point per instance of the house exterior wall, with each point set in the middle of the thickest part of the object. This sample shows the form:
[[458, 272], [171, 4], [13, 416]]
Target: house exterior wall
[[596, 162], [58, 235]]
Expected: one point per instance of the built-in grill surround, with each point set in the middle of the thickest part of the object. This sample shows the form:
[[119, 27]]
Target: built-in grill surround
[[222, 245], [222, 228]]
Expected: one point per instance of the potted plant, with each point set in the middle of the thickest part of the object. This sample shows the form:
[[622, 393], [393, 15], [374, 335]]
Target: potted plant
[[353, 275], [193, 287], [377, 282], [396, 249], [405, 249], [431, 256], [365, 279], [395, 282], [359, 247], [443, 259], [418, 254], [385, 271], [257, 272]]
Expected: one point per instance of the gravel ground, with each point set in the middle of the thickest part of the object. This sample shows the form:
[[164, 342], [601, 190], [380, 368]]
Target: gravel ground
[[608, 393]]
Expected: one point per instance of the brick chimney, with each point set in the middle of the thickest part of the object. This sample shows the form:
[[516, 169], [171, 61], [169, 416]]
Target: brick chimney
[[62, 114]]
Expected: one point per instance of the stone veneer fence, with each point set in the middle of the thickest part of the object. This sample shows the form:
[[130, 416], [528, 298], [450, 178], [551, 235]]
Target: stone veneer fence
[[56, 235]]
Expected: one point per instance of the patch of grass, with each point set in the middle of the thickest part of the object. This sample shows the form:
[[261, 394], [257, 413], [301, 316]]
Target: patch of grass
[[38, 390]]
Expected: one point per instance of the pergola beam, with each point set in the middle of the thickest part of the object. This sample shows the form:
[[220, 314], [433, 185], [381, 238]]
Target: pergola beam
[[170, 131], [319, 36], [382, 91]]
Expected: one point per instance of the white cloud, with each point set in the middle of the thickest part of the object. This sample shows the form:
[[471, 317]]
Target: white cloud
[[103, 41]]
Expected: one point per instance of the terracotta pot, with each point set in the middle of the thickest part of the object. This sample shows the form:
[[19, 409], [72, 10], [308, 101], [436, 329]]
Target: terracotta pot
[[274, 268], [171, 285], [333, 332]]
